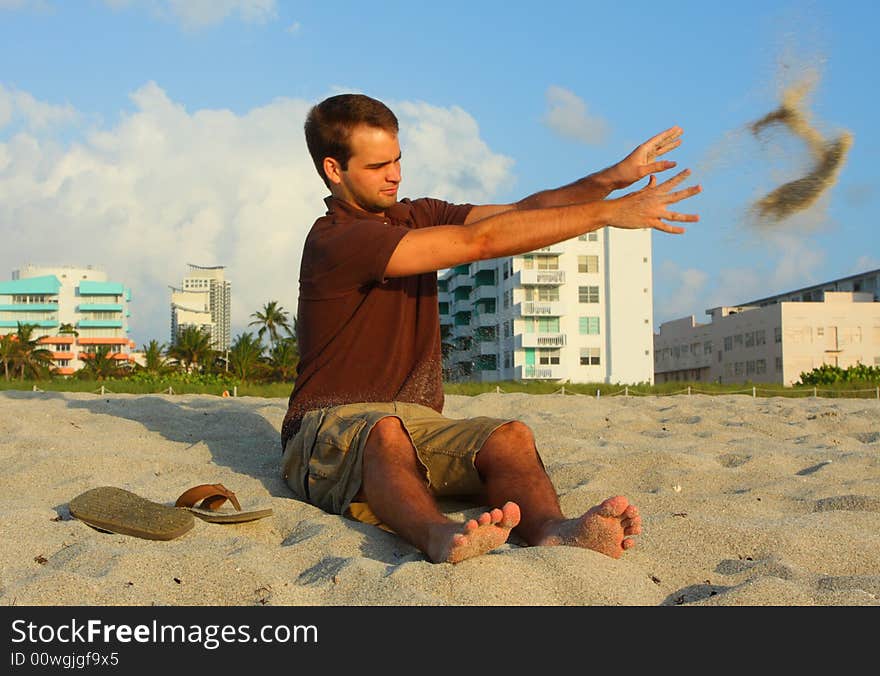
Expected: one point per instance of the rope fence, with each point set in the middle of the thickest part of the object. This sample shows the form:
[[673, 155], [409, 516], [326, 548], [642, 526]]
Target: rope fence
[[169, 390], [625, 392], [689, 390]]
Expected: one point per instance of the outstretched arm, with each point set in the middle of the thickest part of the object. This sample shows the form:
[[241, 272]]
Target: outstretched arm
[[517, 231], [639, 163]]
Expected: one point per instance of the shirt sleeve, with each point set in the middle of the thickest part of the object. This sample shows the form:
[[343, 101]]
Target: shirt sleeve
[[346, 256]]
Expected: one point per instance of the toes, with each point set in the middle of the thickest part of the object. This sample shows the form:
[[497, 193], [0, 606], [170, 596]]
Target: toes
[[484, 518], [510, 515], [628, 544], [613, 507]]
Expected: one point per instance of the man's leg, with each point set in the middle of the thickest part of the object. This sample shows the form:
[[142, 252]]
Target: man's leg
[[395, 489], [511, 470]]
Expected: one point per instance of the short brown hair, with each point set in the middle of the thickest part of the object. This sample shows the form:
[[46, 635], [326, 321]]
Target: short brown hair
[[329, 124]]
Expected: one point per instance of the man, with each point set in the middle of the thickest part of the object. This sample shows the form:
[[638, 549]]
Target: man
[[363, 435]]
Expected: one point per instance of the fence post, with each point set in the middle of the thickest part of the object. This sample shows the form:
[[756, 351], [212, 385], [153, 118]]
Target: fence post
[[753, 392], [235, 390], [497, 390], [689, 390], [170, 390], [597, 394], [562, 391], [35, 388], [814, 391], [878, 391], [626, 390], [102, 390]]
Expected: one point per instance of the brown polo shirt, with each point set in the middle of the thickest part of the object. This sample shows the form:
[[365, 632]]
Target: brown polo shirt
[[363, 338]]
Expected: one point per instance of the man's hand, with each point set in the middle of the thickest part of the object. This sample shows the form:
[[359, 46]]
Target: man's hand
[[643, 160], [646, 208]]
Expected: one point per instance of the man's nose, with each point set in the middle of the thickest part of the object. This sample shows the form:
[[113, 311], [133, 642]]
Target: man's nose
[[393, 173]]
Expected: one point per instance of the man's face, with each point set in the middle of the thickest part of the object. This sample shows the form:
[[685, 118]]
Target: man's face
[[373, 175]]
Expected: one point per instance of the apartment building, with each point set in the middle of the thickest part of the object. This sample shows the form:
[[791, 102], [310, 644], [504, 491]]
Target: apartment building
[[577, 311], [775, 339], [203, 300], [76, 310]]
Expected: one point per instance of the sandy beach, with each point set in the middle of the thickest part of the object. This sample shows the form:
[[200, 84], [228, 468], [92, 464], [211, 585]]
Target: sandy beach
[[767, 501]]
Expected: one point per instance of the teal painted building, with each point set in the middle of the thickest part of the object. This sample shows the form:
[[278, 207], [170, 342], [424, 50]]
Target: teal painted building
[[75, 311]]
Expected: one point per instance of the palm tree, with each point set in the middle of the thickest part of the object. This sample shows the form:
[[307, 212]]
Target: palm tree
[[244, 355], [155, 361], [100, 366], [68, 330], [192, 348], [7, 353], [283, 359], [28, 356], [271, 319]]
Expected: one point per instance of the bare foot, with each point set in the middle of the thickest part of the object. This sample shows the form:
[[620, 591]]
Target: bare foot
[[456, 542], [604, 528]]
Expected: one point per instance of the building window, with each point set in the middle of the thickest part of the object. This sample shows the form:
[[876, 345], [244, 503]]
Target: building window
[[779, 364], [542, 293], [588, 294], [738, 340], [588, 264], [588, 237], [588, 326], [760, 337], [548, 357], [777, 334], [728, 343], [750, 339], [547, 262], [590, 356], [707, 347]]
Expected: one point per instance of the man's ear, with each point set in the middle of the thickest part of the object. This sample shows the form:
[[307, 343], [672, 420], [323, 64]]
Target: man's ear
[[332, 170]]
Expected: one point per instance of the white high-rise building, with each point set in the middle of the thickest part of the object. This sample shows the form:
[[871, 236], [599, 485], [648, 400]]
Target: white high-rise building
[[76, 311], [204, 300], [578, 311]]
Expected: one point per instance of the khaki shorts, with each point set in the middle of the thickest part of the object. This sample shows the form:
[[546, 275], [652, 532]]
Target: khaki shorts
[[322, 462]]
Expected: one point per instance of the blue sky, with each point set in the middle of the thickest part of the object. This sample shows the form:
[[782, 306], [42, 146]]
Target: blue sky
[[141, 135]]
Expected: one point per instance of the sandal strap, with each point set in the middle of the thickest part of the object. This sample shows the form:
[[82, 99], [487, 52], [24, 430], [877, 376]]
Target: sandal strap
[[212, 496]]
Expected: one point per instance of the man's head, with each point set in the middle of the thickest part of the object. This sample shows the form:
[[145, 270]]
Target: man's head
[[350, 126]]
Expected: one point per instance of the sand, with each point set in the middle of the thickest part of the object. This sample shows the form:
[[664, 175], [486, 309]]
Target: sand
[[745, 501]]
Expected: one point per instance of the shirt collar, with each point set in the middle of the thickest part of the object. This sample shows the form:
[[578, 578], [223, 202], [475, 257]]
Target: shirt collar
[[336, 206]]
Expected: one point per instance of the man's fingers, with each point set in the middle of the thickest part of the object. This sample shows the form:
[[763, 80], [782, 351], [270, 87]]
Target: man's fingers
[[681, 218], [666, 147], [666, 227], [656, 167], [675, 180], [679, 195]]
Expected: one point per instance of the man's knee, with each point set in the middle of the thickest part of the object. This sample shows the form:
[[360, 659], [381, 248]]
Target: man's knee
[[388, 433], [514, 434], [512, 441]]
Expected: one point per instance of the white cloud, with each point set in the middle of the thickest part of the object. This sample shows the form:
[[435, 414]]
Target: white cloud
[[201, 13], [18, 106], [567, 115], [679, 292], [294, 28], [162, 187]]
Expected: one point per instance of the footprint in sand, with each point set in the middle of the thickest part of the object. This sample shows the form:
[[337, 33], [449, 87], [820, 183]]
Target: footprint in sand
[[867, 437], [733, 459], [813, 468], [848, 503]]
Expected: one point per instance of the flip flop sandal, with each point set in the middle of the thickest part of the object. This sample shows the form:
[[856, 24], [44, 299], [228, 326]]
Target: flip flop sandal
[[206, 500], [116, 510]]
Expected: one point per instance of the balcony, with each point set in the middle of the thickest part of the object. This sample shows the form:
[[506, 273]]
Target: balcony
[[484, 319], [540, 340], [541, 372], [484, 292], [542, 277], [549, 308]]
